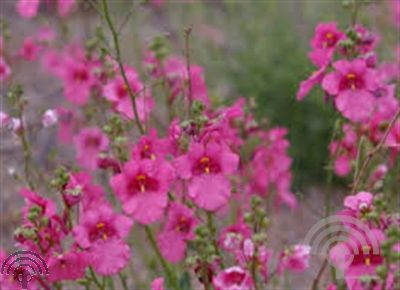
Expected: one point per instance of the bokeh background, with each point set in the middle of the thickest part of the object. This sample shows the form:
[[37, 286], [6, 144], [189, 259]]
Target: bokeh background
[[251, 48]]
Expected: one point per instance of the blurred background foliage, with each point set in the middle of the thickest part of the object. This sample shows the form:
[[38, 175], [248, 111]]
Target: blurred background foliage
[[256, 49]]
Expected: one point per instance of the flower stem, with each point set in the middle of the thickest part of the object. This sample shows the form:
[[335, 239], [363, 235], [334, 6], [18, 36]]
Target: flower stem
[[94, 279], [121, 66], [213, 231], [171, 276]]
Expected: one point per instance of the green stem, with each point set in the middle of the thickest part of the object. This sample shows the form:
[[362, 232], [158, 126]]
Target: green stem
[[121, 66], [26, 148], [94, 279], [123, 281], [213, 231], [171, 276], [354, 13], [254, 271]]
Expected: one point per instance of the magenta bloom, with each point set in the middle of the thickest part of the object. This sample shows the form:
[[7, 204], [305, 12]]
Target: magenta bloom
[[28, 8], [149, 147], [207, 166], [67, 266], [324, 43], [296, 258], [78, 78], [307, 85], [101, 232], [64, 7], [5, 70], [233, 236], [32, 199], [142, 188], [89, 143], [359, 203], [344, 150], [234, 278], [353, 85], [270, 168], [157, 284], [178, 229], [358, 256], [80, 189], [117, 93]]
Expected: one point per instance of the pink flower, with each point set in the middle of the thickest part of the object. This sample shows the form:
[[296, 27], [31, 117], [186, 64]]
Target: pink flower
[[4, 120], [178, 229], [32, 199], [175, 71], [359, 203], [117, 93], [142, 188], [232, 237], [29, 50], [331, 286], [234, 278], [344, 150], [109, 257], [149, 147], [207, 166], [101, 232], [358, 256], [324, 43], [28, 8], [296, 258], [157, 284], [67, 266], [5, 70], [65, 6], [89, 143], [78, 79], [49, 118], [352, 84], [81, 189], [307, 85], [270, 168], [100, 223]]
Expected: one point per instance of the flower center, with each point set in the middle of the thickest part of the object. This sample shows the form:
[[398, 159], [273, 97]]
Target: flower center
[[142, 183], [80, 75], [330, 39], [206, 165], [122, 91], [101, 231], [183, 225], [92, 142]]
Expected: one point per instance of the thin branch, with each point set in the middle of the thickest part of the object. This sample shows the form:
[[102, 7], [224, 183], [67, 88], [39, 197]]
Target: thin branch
[[188, 30], [373, 152], [121, 66]]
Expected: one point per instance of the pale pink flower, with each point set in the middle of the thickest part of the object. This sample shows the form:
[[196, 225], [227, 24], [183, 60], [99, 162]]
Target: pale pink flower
[[67, 266], [178, 229], [28, 8], [234, 278], [295, 258], [90, 142], [49, 118], [157, 284], [5, 70]]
